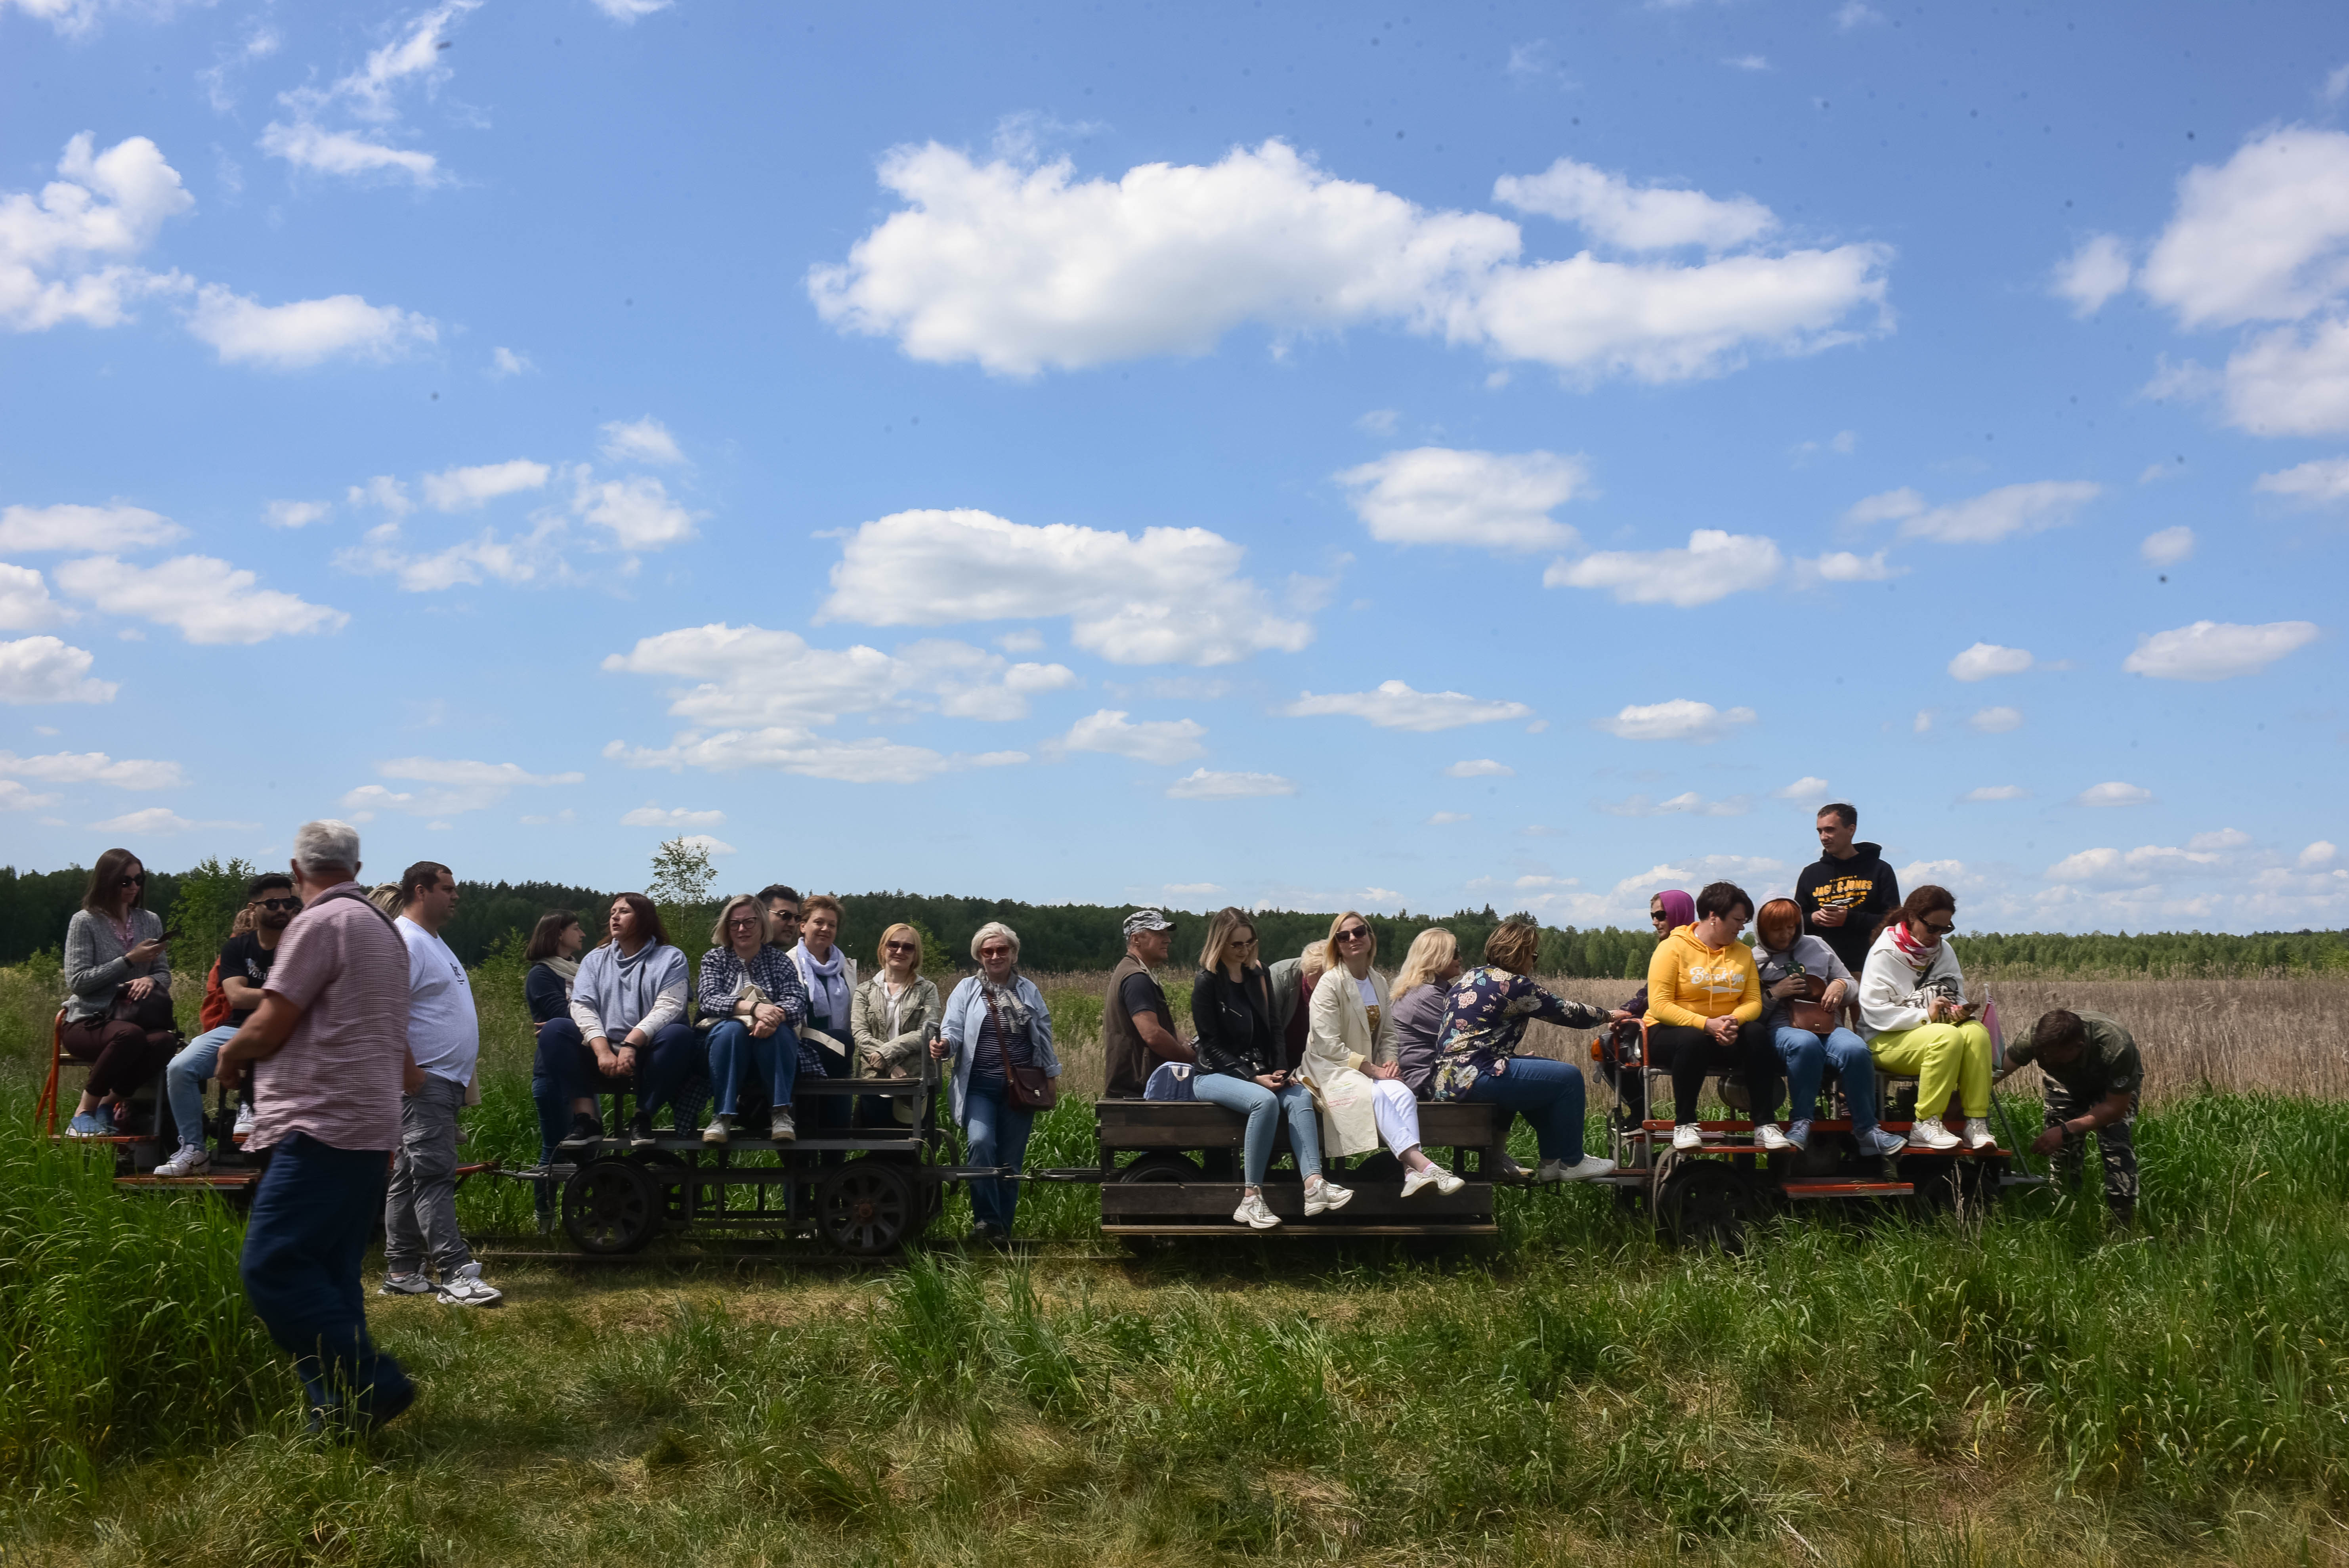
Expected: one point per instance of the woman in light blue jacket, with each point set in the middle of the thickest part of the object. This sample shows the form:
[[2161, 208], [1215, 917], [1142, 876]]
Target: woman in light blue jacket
[[994, 1019]]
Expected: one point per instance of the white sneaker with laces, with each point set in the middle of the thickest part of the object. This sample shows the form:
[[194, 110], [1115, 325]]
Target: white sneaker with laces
[[781, 1129], [1931, 1134], [1768, 1136], [405, 1285], [1876, 1142], [466, 1287], [1589, 1168], [1252, 1214], [192, 1160], [1688, 1135], [1325, 1195], [1432, 1175], [1979, 1134], [243, 1121], [719, 1130]]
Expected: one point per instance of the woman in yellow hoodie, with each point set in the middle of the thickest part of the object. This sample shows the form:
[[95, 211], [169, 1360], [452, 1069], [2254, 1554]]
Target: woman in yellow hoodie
[[1704, 1009]]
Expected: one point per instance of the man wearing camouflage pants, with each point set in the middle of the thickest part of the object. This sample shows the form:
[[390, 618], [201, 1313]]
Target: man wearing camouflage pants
[[2093, 1074]]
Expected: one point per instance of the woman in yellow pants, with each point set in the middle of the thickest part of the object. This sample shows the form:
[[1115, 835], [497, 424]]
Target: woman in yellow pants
[[1911, 992]]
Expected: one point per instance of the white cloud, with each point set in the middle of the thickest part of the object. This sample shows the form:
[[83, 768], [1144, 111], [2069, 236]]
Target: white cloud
[[1986, 519], [645, 440], [1394, 706], [2094, 273], [2224, 839], [65, 256], [347, 153], [1844, 566], [2289, 382], [382, 492], [651, 814], [1856, 14], [2113, 793], [26, 528], [747, 677], [2263, 237], [296, 513], [1163, 742], [1716, 564], [1679, 720], [1199, 784], [415, 58], [2137, 865], [637, 510], [1747, 62], [1022, 267], [1989, 792], [1378, 421], [1171, 596], [2336, 83], [2216, 651], [43, 669], [206, 598], [1445, 819], [2317, 856], [1481, 768], [1803, 791], [1498, 501], [1614, 211], [305, 333], [2167, 546], [1689, 803], [626, 12], [93, 767], [78, 19], [1627, 900], [2317, 483], [15, 796], [791, 749], [1985, 660], [1996, 720], [452, 785], [24, 602], [1924, 720], [154, 822], [524, 558], [464, 490], [505, 362]]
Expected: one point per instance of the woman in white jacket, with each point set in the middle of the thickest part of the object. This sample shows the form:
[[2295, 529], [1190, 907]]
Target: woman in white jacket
[[1912, 1005], [1350, 1061]]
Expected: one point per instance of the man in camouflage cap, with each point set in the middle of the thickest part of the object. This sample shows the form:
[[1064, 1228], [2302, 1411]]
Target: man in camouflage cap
[[2093, 1074]]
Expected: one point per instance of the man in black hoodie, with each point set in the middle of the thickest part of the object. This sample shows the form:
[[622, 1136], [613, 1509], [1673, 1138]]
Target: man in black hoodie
[[1848, 890]]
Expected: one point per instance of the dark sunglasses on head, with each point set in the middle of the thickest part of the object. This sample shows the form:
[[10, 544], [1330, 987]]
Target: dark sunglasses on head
[[278, 903]]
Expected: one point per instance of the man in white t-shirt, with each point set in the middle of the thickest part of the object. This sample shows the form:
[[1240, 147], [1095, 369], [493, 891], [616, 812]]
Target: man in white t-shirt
[[419, 1212]]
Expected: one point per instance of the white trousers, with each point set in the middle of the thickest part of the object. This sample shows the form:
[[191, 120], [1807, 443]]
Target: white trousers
[[1398, 1113]]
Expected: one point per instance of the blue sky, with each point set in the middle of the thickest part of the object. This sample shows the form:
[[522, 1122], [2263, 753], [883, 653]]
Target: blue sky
[[1291, 455]]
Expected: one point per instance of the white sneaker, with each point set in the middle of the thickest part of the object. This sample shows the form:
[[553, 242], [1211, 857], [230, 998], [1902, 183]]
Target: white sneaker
[[1432, 1175], [405, 1285], [1932, 1135], [1979, 1134], [1768, 1136], [192, 1160], [243, 1121], [465, 1287], [1325, 1195], [1589, 1167], [1688, 1135], [719, 1130], [1878, 1142], [780, 1127], [1252, 1213]]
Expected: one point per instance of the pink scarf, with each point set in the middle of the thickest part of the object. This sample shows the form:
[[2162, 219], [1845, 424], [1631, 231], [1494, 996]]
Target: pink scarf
[[1913, 953]]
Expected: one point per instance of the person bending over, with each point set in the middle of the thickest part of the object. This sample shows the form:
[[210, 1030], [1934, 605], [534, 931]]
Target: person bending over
[[1912, 1003], [1420, 989], [752, 1007], [1350, 1063], [244, 960], [626, 1027], [1137, 1025], [2093, 1077], [1238, 1069], [1787, 961], [1704, 1011], [996, 1020], [1476, 1059]]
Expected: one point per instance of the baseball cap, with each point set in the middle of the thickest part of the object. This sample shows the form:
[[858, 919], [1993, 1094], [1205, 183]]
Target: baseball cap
[[1147, 920]]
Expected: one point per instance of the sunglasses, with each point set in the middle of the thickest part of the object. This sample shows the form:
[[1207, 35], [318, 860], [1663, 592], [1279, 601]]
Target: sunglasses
[[903, 947], [1354, 933], [785, 917], [278, 903], [138, 880], [1943, 930], [1657, 915]]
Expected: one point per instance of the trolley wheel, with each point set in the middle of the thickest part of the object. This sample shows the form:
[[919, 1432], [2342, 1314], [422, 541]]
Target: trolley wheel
[[610, 1206], [1160, 1168], [1705, 1203], [866, 1207]]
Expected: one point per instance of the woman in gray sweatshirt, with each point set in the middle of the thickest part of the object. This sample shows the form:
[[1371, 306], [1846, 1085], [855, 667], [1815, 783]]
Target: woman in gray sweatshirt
[[114, 948]]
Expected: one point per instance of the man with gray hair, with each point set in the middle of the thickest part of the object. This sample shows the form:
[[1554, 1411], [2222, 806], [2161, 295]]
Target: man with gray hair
[[328, 1047]]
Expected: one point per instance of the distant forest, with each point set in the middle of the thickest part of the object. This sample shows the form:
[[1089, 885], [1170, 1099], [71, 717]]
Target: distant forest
[[35, 907]]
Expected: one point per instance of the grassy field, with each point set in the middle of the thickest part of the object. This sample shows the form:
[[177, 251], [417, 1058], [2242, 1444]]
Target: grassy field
[[2025, 1387]]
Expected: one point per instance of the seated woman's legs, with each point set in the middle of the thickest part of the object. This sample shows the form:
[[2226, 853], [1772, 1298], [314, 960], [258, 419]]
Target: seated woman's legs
[[1398, 1118], [184, 1082], [1304, 1128], [1805, 1057], [1256, 1102], [1692, 1056], [1856, 1071], [1974, 1070], [672, 1056], [730, 1062], [1928, 1053], [1548, 1095]]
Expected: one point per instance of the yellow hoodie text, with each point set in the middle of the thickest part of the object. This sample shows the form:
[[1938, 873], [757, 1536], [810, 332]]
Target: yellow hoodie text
[[1688, 983]]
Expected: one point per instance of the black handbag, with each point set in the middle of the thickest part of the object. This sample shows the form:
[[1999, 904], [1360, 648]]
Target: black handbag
[[151, 1012]]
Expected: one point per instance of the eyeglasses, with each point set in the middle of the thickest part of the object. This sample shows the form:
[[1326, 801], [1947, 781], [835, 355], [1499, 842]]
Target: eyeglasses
[[744, 922], [138, 880], [1354, 933], [278, 903], [902, 947]]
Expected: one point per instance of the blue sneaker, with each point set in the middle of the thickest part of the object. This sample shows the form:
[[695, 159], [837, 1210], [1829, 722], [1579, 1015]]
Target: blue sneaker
[[90, 1124]]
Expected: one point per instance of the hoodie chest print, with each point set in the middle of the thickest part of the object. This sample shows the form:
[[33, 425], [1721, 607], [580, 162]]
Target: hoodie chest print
[[1719, 977], [1845, 893]]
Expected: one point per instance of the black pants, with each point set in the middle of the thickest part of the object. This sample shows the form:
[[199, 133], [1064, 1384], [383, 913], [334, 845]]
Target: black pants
[[1692, 1056]]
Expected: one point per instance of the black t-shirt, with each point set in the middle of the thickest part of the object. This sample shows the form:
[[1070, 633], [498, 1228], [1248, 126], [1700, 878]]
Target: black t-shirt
[[1141, 995], [242, 957]]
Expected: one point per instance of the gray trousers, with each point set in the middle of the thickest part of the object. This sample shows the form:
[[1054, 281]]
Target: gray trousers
[[2115, 1148], [419, 1212]]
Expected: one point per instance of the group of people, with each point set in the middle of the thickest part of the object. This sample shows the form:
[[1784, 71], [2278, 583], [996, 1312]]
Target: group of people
[[354, 1024]]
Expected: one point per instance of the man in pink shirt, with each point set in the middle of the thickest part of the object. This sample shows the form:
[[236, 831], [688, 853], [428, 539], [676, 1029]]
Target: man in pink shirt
[[328, 1047]]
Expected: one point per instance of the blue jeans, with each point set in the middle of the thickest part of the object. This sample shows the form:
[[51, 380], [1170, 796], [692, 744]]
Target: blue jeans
[[1547, 1094], [735, 1053], [183, 1081], [664, 1063], [1262, 1108], [313, 1216], [1806, 1055], [997, 1131]]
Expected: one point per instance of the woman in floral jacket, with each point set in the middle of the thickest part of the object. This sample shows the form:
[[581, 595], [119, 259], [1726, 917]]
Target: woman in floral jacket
[[1476, 1059]]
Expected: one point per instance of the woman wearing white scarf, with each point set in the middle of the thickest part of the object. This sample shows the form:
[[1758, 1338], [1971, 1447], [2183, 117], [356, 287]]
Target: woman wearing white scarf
[[1350, 1061], [1912, 1005]]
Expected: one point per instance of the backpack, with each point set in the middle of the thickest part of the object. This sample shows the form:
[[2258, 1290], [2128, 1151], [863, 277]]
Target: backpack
[[216, 1010]]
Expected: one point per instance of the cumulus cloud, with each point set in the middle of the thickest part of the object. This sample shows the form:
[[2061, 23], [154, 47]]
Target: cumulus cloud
[[65, 255], [651, 814], [1998, 514], [1985, 660], [1497, 501], [1614, 211], [1021, 267], [43, 669], [307, 332], [2317, 483], [2263, 237], [2113, 793], [1480, 768], [747, 676], [1716, 564], [628, 11], [2317, 856], [1803, 791], [26, 529], [464, 490], [505, 362], [1844, 566], [448, 786], [1996, 720], [93, 767], [1175, 595], [1989, 792], [1679, 720], [1163, 742], [15, 796], [24, 602], [206, 598], [1394, 706], [415, 59], [535, 557], [2166, 547], [645, 440], [155, 821], [637, 511], [1200, 784], [1687, 804], [347, 153], [2217, 650], [2094, 273], [296, 513], [789, 748]]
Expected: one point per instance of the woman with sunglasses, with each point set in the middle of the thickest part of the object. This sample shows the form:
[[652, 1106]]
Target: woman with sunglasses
[[752, 1006], [1351, 1062], [891, 1018], [1912, 1003], [118, 992]]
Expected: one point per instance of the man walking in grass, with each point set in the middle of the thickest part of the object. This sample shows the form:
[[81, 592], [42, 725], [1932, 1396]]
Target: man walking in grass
[[329, 1049], [2093, 1074], [444, 1037]]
